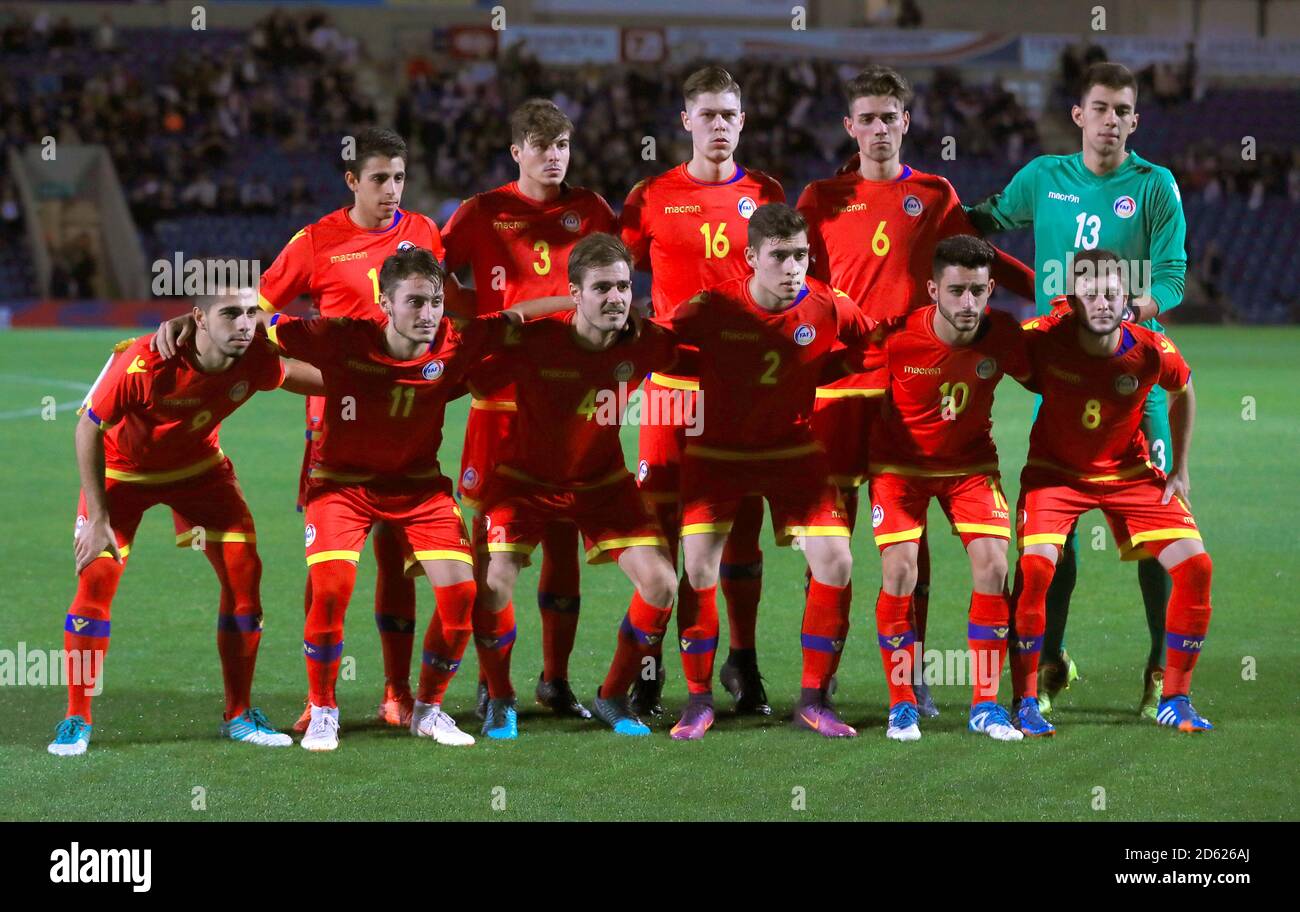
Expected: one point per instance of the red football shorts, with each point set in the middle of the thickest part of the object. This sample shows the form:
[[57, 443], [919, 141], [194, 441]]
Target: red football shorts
[[801, 499], [315, 424], [611, 517], [974, 505], [668, 411], [841, 421], [489, 434], [210, 505], [427, 519], [1051, 502]]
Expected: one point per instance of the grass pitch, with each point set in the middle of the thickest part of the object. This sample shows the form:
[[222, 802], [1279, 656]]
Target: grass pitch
[[156, 754]]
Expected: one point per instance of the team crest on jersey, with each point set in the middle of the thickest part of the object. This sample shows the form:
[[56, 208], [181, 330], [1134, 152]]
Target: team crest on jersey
[[1125, 207], [642, 471], [805, 334], [432, 370], [311, 534], [239, 391], [1126, 384], [877, 515], [623, 372], [571, 220], [404, 245], [912, 205], [986, 368], [746, 206], [469, 480]]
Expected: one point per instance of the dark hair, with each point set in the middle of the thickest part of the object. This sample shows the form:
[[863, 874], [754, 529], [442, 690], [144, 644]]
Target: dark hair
[[711, 78], [1098, 262], [373, 141], [413, 261], [596, 251], [239, 297], [774, 220], [963, 250], [878, 80], [540, 121], [1111, 75]]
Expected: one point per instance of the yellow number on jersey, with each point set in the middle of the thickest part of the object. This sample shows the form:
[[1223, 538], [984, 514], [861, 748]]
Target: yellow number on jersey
[[543, 264], [880, 240], [588, 406], [716, 243], [200, 420], [999, 499], [955, 397], [773, 361], [374, 282], [1091, 417], [400, 394]]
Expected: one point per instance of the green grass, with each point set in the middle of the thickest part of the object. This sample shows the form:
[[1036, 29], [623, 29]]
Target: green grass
[[155, 735]]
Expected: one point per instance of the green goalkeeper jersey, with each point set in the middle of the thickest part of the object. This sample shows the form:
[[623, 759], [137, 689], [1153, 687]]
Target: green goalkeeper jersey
[[1136, 211]]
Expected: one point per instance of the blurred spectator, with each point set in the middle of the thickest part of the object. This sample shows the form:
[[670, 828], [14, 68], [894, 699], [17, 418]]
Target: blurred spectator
[[909, 15], [105, 35], [201, 193]]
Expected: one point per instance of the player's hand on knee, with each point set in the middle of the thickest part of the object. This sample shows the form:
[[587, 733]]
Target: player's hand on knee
[[95, 538], [172, 334]]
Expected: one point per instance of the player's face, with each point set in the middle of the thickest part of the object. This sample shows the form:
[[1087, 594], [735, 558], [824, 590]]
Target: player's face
[[1107, 117], [714, 120], [962, 295], [230, 324], [1099, 300], [780, 265], [415, 309], [605, 298], [543, 164], [878, 123], [378, 191]]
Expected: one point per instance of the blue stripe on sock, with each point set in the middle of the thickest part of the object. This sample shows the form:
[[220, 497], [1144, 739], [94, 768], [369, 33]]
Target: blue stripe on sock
[[86, 626]]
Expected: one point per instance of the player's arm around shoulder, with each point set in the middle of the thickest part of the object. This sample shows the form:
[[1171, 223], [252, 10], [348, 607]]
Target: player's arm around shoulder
[[1011, 208]]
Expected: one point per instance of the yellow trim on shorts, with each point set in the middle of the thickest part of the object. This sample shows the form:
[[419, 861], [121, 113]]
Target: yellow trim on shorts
[[825, 392], [123, 550], [321, 557], [816, 531], [671, 382], [1042, 538], [445, 554], [157, 478], [876, 468], [494, 405], [1121, 475], [999, 531], [706, 452], [184, 538], [891, 538], [508, 547], [611, 544], [721, 528]]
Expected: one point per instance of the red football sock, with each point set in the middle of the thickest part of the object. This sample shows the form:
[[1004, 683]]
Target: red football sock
[[322, 637], [842, 632], [394, 606], [897, 645], [239, 619], [640, 635], [742, 573], [1186, 622], [824, 625], [494, 639], [921, 593], [86, 632], [986, 634], [697, 626], [1029, 612], [558, 597], [446, 638]]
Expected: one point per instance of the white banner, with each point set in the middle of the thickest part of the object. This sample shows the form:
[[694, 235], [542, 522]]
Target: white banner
[[1249, 57], [901, 46], [560, 44], [713, 9]]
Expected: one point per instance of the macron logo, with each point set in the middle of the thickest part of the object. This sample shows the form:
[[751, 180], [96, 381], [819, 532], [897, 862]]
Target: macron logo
[[78, 865], [1063, 197]]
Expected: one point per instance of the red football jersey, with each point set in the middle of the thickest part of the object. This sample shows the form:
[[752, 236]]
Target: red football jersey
[[875, 240], [519, 247], [337, 263], [163, 416], [937, 418], [1090, 422], [572, 400], [384, 416], [759, 369], [691, 234]]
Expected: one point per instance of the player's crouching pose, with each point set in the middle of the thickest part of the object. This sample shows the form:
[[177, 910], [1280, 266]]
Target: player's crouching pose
[[148, 435], [1086, 451], [942, 365], [386, 387], [572, 373], [765, 340]]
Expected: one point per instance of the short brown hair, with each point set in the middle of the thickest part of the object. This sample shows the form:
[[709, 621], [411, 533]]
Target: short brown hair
[[413, 261], [1098, 262], [1111, 75], [596, 251], [372, 141], [711, 78], [540, 121], [963, 250], [878, 80], [774, 220]]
